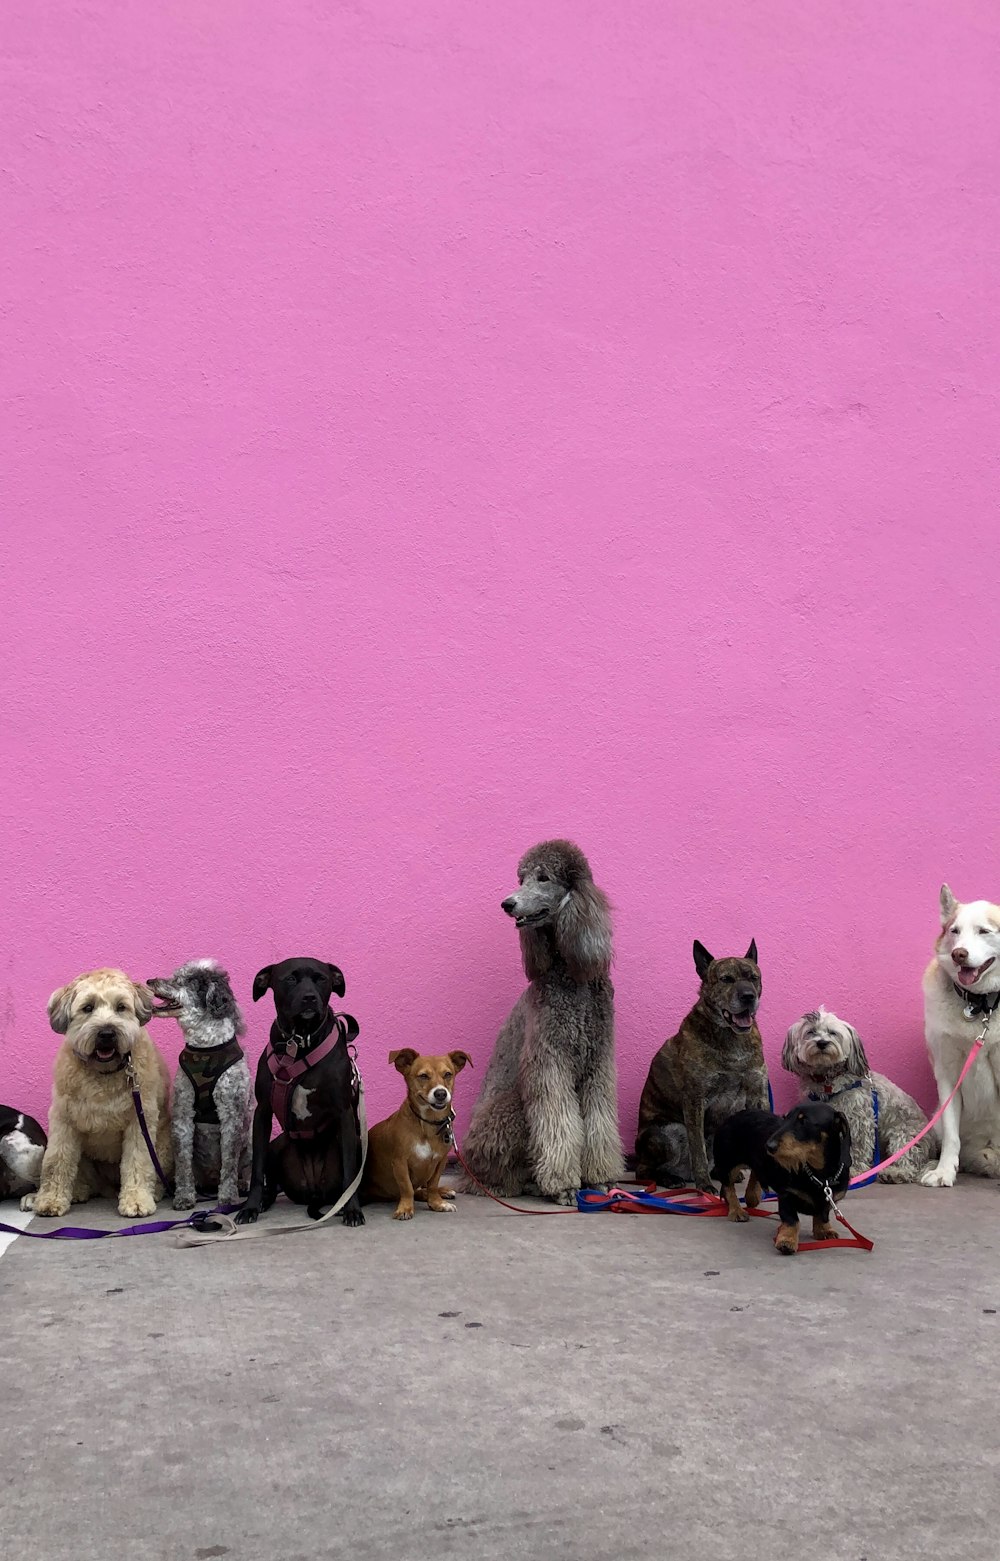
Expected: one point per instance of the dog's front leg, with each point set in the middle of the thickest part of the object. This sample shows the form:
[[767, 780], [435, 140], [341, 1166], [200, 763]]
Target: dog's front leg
[[404, 1186], [787, 1235], [694, 1121], [60, 1164], [602, 1160], [433, 1196], [182, 1130], [262, 1119], [350, 1159], [137, 1193], [944, 1172]]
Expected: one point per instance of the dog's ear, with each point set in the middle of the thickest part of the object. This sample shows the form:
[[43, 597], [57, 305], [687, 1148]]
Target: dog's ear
[[403, 1059], [583, 931], [217, 1000], [59, 1007], [337, 980], [702, 959], [751, 953], [857, 1059], [790, 1048], [348, 1026], [143, 1002], [460, 1060], [949, 904], [261, 982]]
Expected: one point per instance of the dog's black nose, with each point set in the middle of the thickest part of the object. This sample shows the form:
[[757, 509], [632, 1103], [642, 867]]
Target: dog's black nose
[[107, 1034], [439, 1094], [821, 1045], [509, 905]]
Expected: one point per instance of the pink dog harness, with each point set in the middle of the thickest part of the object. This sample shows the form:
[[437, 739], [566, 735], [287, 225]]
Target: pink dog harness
[[286, 1072]]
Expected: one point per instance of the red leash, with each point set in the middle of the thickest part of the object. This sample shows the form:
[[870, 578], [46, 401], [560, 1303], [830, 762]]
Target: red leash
[[620, 1201], [486, 1191]]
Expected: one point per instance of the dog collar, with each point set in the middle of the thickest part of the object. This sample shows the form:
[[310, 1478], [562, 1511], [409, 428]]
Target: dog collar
[[829, 1093], [442, 1128], [977, 1005], [298, 1046]]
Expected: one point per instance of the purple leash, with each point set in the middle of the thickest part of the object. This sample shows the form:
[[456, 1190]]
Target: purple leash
[[133, 1084], [84, 1233]]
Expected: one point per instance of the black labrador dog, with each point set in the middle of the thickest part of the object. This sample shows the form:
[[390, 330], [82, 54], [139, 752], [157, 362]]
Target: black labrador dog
[[307, 1079], [799, 1157]]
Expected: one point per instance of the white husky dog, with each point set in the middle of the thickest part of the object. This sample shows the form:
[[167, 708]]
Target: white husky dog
[[961, 996]]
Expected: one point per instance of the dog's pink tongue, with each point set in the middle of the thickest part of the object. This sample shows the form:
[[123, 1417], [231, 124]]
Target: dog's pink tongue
[[969, 975]]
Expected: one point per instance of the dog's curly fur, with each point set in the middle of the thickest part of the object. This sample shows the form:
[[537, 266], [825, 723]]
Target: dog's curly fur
[[828, 1058], [210, 1158], [546, 1120], [94, 1134]]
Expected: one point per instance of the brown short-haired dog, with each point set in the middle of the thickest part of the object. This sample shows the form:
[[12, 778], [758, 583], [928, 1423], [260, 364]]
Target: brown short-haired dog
[[409, 1150]]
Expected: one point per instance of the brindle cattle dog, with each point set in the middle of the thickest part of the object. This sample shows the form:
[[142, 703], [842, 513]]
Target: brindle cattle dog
[[711, 1068]]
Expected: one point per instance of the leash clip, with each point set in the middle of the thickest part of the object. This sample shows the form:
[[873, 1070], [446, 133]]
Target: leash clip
[[130, 1073]]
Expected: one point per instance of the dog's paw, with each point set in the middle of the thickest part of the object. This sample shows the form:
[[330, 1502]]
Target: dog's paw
[[136, 1205], [441, 1207], [354, 1217], [248, 1215], [739, 1216], [184, 1200], [50, 1206], [566, 1196], [939, 1175], [27, 1204], [708, 1188], [447, 1192], [403, 1214], [895, 1176]]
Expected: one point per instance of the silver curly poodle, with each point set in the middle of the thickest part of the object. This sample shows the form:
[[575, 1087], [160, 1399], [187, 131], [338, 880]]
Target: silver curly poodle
[[828, 1058], [546, 1120], [213, 1090]]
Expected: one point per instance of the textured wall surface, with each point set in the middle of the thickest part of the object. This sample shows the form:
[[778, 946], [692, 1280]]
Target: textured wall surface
[[428, 427]]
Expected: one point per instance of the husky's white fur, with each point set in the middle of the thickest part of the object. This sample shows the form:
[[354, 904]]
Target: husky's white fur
[[967, 952]]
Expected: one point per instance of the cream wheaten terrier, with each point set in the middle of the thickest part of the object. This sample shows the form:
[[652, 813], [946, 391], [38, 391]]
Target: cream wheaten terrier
[[94, 1135]]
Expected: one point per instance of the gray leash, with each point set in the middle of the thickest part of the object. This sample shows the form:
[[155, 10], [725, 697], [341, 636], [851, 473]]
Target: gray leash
[[230, 1232]]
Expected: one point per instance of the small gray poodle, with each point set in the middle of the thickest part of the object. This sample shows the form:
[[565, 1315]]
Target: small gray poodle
[[213, 1091], [828, 1058], [546, 1120]]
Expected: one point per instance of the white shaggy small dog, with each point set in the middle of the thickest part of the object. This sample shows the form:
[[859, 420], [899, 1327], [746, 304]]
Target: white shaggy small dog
[[961, 997], [93, 1128], [828, 1058]]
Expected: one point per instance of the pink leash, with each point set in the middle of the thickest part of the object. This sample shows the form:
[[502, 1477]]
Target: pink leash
[[977, 1047]]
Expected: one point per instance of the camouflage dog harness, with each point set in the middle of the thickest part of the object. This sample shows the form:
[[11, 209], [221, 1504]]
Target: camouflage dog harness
[[204, 1066]]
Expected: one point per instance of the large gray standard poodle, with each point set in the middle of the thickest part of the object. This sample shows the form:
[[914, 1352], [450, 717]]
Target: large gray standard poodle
[[546, 1120]]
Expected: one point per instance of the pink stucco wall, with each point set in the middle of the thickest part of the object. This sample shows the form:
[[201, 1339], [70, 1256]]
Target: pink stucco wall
[[432, 426]]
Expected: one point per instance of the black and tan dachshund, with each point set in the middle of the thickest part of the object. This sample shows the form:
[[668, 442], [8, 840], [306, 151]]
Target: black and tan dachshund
[[798, 1157]]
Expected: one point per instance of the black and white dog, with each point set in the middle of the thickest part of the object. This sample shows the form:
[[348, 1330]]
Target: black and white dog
[[22, 1146], [213, 1091]]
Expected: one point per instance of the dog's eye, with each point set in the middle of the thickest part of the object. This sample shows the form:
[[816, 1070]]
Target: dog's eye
[[983, 932], [121, 1008], [543, 877], [729, 980], [86, 1008]]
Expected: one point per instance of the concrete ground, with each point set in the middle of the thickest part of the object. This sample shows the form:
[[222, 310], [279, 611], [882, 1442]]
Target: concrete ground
[[585, 1388]]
